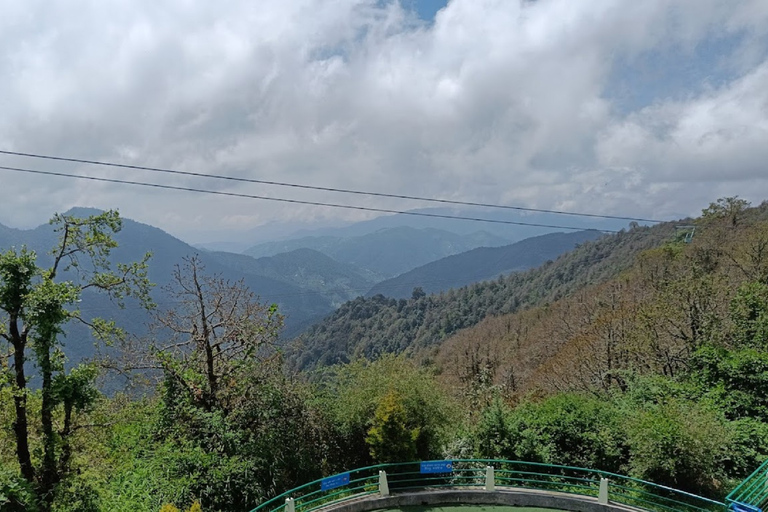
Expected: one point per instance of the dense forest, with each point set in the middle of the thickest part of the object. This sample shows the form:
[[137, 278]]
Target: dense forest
[[643, 353]]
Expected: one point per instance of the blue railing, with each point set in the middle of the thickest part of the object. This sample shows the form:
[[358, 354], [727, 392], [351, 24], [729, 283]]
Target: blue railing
[[474, 473]]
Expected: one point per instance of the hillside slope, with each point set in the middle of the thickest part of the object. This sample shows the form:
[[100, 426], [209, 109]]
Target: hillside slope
[[481, 264], [373, 326], [652, 319]]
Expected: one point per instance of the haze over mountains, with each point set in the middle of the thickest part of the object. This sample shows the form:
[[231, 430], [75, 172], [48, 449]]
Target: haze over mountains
[[236, 241], [387, 252]]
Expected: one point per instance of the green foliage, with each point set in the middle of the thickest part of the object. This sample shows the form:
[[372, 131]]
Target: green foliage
[[271, 441], [394, 388], [35, 305], [390, 438], [77, 494], [736, 380], [16, 494], [747, 451], [749, 315], [678, 444], [76, 390], [493, 435], [566, 429], [17, 270]]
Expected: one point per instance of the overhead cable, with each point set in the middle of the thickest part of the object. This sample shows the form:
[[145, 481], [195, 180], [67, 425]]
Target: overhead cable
[[296, 201], [325, 189]]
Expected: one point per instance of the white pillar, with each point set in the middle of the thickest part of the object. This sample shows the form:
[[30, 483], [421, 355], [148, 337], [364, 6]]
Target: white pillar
[[602, 496], [383, 485], [490, 479], [290, 506]]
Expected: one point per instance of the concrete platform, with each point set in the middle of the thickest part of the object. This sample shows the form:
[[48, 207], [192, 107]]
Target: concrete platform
[[501, 496]]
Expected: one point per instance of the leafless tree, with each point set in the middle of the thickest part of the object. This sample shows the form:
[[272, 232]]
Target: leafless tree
[[216, 330]]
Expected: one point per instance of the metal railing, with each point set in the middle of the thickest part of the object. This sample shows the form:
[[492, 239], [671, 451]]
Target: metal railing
[[489, 474], [752, 494]]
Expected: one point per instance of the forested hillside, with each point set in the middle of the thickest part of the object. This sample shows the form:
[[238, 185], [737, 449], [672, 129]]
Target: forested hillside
[[481, 264], [649, 319], [369, 327]]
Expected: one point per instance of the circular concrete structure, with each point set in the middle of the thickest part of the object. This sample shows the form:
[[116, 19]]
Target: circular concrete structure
[[501, 496]]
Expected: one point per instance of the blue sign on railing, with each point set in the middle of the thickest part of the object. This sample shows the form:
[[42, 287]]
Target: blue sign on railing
[[334, 481], [437, 466], [744, 507]]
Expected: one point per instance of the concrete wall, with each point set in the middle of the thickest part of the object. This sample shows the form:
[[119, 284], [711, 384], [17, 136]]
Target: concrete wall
[[509, 497]]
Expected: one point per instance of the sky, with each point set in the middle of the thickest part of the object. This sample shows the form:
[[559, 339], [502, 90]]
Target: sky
[[647, 109]]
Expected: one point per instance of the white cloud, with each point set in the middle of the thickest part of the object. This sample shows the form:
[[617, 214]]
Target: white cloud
[[494, 101], [719, 136]]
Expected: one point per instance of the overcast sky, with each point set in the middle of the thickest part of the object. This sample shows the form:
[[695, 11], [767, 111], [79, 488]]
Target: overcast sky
[[643, 108]]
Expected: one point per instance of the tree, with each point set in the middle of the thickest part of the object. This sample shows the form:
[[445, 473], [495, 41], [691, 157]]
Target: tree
[[390, 438], [749, 315], [730, 209], [567, 429], [388, 399], [239, 429], [492, 435], [677, 443], [36, 303], [213, 335]]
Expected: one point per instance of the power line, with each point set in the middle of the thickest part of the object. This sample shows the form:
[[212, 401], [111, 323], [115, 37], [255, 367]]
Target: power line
[[325, 189], [294, 201]]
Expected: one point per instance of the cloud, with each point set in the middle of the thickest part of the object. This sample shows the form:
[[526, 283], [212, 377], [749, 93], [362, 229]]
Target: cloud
[[718, 138], [493, 101]]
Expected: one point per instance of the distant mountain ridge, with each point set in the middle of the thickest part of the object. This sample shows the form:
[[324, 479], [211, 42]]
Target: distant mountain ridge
[[389, 251], [510, 224], [482, 264]]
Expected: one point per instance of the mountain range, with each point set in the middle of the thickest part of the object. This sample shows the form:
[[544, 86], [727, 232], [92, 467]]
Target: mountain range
[[307, 283], [509, 224], [388, 251]]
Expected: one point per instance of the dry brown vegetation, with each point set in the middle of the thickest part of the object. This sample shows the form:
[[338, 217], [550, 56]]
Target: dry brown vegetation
[[647, 320]]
